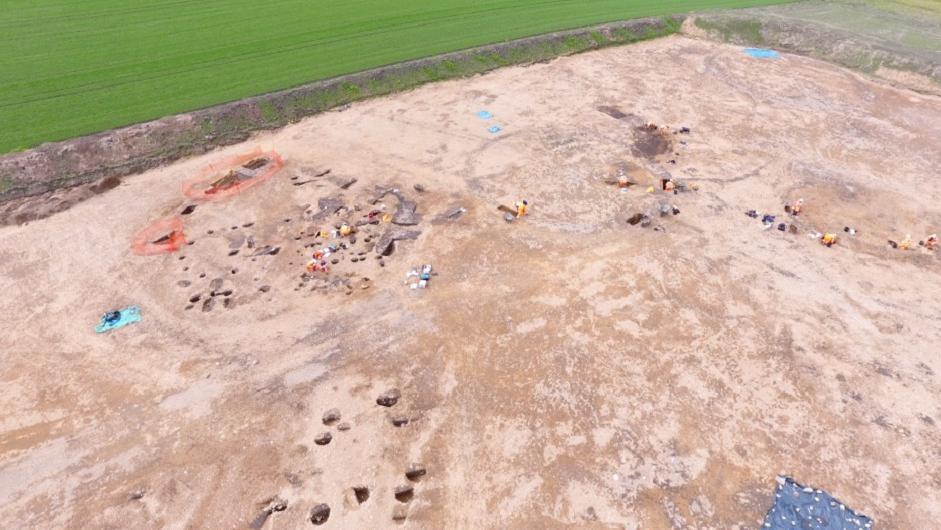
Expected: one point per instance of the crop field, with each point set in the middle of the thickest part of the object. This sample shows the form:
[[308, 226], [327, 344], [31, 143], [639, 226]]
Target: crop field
[[70, 67], [911, 27]]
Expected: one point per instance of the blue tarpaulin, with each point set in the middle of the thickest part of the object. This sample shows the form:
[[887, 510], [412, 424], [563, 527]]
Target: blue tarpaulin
[[762, 53], [495, 129], [484, 115], [118, 319], [800, 508]]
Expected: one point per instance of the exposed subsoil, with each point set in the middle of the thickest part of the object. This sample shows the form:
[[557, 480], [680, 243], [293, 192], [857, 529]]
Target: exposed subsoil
[[32, 208], [567, 368]]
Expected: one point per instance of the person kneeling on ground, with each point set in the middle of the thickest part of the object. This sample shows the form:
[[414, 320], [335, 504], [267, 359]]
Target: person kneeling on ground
[[794, 209], [930, 242], [518, 210], [906, 243]]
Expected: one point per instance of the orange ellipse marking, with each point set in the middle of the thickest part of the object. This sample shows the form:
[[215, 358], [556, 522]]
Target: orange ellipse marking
[[230, 176], [162, 236]]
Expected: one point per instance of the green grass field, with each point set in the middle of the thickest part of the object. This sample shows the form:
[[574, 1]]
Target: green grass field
[[74, 67], [913, 26]]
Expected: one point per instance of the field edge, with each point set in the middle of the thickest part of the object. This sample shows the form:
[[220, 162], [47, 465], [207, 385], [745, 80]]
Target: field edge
[[95, 163], [769, 29], [135, 148]]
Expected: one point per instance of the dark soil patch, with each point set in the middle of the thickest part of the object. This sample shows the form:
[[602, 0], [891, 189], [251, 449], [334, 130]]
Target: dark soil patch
[[650, 142], [105, 184], [362, 493], [614, 112], [256, 163]]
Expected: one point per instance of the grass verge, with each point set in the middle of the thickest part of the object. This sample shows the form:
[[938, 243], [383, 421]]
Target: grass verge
[[136, 148]]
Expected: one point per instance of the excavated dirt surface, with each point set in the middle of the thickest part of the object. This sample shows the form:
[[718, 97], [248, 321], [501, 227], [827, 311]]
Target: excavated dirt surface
[[565, 369]]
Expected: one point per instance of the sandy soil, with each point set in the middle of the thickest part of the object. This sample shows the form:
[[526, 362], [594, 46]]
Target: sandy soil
[[566, 369]]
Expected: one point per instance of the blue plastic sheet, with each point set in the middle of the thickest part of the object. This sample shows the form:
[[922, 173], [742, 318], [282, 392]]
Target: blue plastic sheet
[[484, 115], [762, 53], [495, 129], [118, 319], [802, 508]]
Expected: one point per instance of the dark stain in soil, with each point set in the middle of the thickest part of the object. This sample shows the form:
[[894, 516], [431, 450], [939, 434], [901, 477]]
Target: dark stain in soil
[[650, 142]]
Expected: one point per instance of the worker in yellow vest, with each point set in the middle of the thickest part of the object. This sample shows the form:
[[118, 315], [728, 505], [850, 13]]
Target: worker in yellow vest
[[797, 207], [906, 243]]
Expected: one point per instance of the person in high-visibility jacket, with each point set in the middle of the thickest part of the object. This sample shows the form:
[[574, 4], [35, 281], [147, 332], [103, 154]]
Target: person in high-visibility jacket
[[931, 242], [796, 208], [521, 208], [906, 243], [828, 239]]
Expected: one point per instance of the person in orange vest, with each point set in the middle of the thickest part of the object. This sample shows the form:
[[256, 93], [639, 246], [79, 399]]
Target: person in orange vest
[[828, 239], [931, 242], [518, 210], [315, 265], [794, 209]]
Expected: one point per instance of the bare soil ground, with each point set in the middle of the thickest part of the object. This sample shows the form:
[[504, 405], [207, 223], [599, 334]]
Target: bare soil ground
[[566, 369]]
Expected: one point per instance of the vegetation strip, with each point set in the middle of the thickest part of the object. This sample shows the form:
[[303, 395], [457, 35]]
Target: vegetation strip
[[70, 68], [137, 148]]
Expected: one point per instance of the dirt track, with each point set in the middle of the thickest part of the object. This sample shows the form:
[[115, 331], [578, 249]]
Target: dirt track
[[565, 369]]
